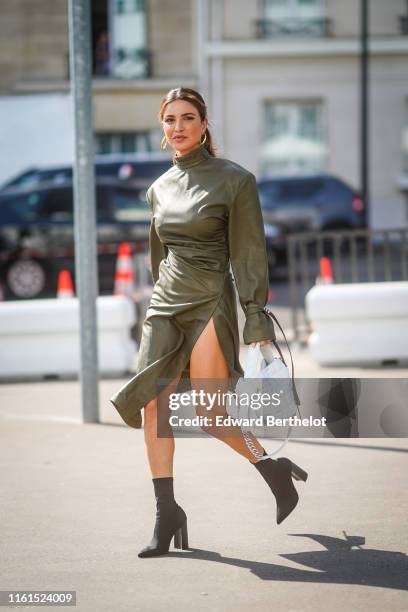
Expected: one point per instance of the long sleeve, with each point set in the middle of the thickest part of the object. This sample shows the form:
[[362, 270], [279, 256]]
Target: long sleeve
[[248, 256], [158, 250]]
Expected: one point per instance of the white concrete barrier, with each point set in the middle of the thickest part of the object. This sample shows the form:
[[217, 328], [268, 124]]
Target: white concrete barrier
[[41, 337], [359, 323]]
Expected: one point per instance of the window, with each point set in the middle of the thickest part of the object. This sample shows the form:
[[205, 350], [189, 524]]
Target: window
[[103, 211], [126, 142], [119, 39], [130, 205], [294, 17], [294, 138], [294, 9], [300, 191], [20, 209], [58, 205], [270, 194], [127, 26], [292, 191]]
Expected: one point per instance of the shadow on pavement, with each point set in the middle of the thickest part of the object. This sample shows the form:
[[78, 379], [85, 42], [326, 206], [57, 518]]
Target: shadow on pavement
[[343, 562]]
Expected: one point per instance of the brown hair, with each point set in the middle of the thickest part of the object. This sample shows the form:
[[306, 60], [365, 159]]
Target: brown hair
[[192, 96]]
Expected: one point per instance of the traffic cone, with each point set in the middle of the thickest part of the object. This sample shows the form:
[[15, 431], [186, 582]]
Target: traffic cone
[[271, 295], [65, 286], [124, 277], [325, 275]]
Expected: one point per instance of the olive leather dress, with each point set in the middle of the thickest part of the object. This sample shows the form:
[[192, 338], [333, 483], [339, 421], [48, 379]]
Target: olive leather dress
[[205, 215]]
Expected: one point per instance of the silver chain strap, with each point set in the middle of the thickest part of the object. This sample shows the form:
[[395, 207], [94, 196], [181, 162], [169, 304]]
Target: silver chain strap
[[257, 454]]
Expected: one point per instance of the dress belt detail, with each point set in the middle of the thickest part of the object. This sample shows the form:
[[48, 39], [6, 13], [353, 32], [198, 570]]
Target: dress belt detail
[[209, 260]]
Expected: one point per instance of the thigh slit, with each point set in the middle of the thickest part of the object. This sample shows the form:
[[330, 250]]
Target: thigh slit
[[208, 358]]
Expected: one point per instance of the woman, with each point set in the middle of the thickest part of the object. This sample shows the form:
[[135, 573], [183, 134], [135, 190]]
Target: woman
[[205, 214]]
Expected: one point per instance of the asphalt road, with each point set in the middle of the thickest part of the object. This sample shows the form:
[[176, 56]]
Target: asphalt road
[[78, 505]]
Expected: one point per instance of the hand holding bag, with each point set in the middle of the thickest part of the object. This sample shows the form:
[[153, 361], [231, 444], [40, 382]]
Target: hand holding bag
[[266, 373]]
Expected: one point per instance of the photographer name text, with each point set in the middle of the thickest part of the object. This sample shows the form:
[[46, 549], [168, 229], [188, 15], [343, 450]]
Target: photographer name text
[[261, 421]]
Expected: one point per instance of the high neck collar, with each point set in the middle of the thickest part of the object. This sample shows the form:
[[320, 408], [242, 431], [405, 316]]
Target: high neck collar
[[192, 158]]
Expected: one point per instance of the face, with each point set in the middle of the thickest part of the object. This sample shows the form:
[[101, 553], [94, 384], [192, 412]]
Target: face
[[183, 127]]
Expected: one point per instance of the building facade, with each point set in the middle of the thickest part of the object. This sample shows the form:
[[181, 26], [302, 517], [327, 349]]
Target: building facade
[[281, 77]]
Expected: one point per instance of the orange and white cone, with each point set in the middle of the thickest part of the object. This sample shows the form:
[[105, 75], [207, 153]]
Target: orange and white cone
[[124, 277], [65, 286], [325, 275]]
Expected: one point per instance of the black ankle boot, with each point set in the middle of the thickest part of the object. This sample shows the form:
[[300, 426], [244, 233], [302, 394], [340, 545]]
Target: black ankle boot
[[278, 475], [171, 520]]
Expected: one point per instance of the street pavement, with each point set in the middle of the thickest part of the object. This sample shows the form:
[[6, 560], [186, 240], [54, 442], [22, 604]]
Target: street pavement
[[78, 505]]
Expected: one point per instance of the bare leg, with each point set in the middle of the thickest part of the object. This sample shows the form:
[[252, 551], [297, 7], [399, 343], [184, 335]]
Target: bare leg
[[160, 450], [171, 520], [208, 362]]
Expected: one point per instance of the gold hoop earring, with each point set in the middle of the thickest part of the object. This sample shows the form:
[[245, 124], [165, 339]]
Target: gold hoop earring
[[205, 139], [163, 143]]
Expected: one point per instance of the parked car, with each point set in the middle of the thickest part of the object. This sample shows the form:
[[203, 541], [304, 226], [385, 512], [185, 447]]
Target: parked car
[[311, 203], [37, 234], [125, 167]]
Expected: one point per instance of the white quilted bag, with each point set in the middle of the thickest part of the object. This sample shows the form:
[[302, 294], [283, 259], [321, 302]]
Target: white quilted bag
[[265, 373]]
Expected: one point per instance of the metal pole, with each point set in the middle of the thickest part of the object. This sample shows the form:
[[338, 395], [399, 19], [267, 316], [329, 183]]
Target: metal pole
[[364, 109], [86, 268]]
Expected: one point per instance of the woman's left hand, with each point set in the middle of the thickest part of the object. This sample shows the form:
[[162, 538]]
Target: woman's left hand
[[261, 342]]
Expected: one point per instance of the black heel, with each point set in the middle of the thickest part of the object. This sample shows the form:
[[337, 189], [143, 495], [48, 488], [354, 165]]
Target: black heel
[[171, 521], [298, 473], [181, 537], [278, 475]]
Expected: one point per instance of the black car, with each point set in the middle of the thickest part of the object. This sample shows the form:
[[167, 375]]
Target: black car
[[310, 203], [37, 234], [124, 167]]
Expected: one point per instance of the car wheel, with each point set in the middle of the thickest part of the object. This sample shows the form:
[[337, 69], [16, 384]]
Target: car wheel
[[26, 278]]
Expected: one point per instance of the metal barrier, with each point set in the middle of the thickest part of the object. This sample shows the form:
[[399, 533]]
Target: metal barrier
[[358, 256]]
